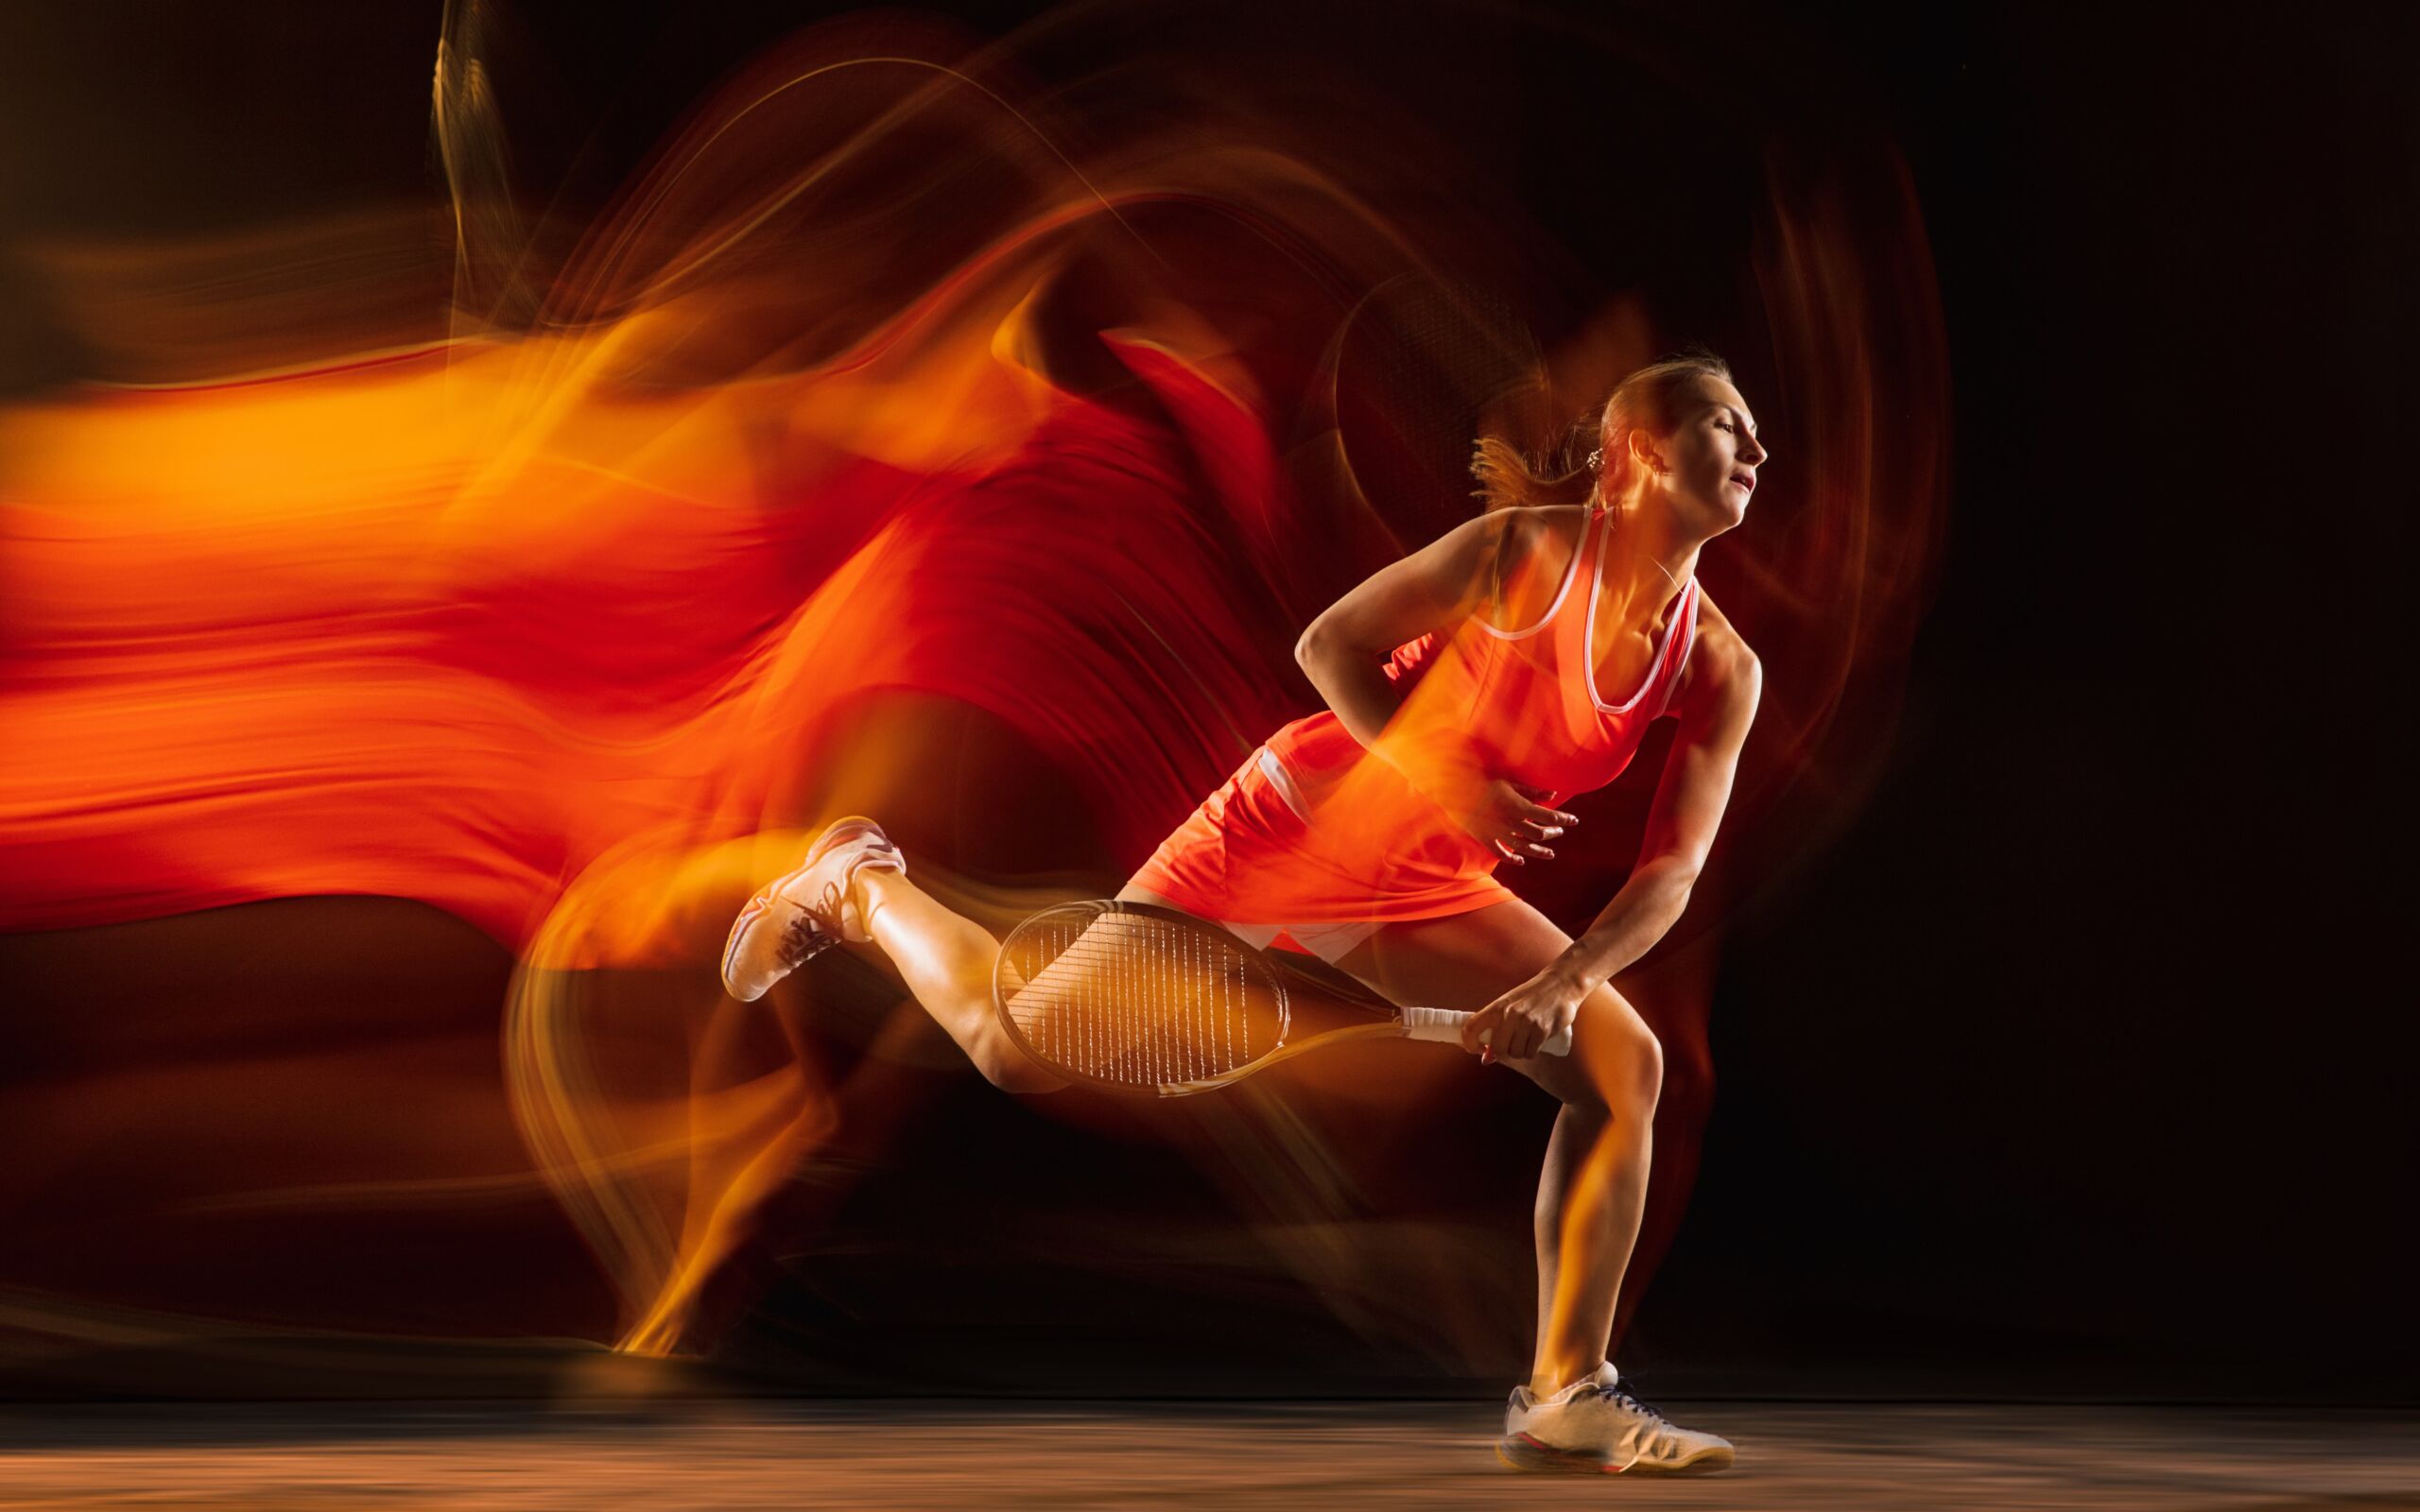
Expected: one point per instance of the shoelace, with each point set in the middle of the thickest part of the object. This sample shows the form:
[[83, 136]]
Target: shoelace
[[1622, 1394], [800, 937], [1651, 1436], [816, 928]]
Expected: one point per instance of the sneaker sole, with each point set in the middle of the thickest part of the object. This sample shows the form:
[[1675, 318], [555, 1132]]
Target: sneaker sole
[[731, 942], [1526, 1454]]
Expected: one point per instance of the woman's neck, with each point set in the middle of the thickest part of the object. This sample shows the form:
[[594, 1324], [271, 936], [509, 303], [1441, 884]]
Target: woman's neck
[[1646, 563]]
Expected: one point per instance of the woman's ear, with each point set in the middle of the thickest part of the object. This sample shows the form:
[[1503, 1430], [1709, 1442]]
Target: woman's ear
[[1643, 454]]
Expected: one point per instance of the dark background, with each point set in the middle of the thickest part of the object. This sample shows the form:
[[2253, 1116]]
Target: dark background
[[2078, 1064]]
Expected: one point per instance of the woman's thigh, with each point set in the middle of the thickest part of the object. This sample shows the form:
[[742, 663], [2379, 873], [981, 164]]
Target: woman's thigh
[[1466, 961]]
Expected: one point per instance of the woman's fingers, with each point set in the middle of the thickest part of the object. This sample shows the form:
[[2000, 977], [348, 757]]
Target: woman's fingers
[[1544, 818], [1519, 848], [1518, 1037], [1527, 823], [1476, 1029]]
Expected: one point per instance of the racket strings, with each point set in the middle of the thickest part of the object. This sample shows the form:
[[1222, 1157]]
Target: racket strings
[[1137, 1001]]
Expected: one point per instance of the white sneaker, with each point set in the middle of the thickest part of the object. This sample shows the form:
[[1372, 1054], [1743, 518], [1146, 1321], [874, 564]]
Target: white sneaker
[[1595, 1427], [793, 918]]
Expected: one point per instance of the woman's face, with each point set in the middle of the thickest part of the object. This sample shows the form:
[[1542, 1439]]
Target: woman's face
[[1710, 459]]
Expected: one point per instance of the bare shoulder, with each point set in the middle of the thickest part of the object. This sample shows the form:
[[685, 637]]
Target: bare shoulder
[[1553, 528], [1722, 675], [1532, 547]]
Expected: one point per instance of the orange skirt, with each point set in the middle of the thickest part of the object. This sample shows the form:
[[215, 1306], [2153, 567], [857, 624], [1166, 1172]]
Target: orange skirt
[[1350, 843]]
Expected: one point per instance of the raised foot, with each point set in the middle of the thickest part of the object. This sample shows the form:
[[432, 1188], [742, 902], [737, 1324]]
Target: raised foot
[[798, 916]]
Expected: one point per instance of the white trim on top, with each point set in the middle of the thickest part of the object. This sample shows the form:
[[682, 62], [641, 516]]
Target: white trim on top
[[1273, 768], [1685, 602], [1579, 548], [1689, 644]]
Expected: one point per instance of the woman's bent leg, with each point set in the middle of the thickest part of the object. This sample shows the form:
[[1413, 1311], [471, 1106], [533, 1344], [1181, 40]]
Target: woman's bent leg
[[1593, 1190], [946, 961]]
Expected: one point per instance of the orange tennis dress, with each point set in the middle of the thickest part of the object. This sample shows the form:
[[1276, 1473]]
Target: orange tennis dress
[[1315, 830]]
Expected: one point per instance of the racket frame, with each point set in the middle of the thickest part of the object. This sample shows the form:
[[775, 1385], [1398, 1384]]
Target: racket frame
[[1388, 1021]]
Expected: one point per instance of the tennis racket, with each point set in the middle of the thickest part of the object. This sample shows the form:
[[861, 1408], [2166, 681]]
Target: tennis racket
[[1134, 998]]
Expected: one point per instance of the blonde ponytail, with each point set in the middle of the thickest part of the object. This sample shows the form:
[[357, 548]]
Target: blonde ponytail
[[1591, 463], [1510, 478]]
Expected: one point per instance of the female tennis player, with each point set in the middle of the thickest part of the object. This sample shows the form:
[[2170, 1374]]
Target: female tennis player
[[1470, 687]]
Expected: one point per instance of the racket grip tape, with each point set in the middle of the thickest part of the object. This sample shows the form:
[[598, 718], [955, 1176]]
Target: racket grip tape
[[1444, 1026]]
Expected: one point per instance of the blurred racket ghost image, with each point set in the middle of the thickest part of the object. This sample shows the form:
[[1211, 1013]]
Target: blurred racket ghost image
[[721, 715]]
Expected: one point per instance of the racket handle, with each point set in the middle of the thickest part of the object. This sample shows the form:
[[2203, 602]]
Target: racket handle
[[1444, 1026]]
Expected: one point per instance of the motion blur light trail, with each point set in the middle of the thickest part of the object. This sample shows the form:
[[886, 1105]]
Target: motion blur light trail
[[898, 412]]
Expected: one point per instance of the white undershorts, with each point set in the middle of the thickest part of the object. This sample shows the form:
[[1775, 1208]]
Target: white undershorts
[[1329, 942]]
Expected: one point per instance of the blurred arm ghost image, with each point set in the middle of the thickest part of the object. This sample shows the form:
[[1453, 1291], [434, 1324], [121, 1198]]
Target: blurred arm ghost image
[[924, 479]]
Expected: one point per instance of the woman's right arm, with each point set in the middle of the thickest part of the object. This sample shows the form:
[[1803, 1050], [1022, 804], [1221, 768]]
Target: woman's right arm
[[1344, 653]]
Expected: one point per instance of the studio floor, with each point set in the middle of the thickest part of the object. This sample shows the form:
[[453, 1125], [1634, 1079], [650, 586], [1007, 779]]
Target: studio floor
[[1870, 1456]]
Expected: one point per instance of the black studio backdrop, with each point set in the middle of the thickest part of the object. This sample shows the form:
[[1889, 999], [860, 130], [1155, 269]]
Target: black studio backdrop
[[2078, 1064]]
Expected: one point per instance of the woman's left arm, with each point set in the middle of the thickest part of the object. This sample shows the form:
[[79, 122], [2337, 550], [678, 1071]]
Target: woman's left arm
[[1717, 704], [1714, 716]]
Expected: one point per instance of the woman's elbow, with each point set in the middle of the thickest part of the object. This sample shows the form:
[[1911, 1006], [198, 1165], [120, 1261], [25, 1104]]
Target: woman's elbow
[[1313, 648], [1677, 871]]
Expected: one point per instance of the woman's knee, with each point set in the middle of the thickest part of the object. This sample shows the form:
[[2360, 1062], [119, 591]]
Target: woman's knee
[[1012, 1071], [1622, 1060]]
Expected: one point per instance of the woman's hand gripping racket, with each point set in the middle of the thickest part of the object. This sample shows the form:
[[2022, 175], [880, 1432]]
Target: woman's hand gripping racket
[[1137, 999]]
